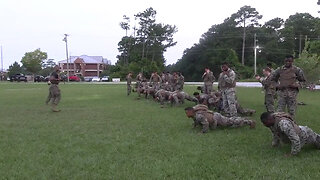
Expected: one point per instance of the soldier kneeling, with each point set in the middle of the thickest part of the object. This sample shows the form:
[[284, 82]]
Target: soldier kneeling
[[284, 129], [208, 119]]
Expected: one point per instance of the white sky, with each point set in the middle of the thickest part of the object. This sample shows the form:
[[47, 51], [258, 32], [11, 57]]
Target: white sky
[[93, 25]]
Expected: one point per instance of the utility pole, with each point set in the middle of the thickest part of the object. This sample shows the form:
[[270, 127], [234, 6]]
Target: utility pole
[[243, 41], [255, 53], [65, 39], [300, 44]]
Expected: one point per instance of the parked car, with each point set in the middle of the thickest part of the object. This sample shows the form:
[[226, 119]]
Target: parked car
[[74, 78], [105, 79], [64, 78], [18, 78], [39, 78], [95, 79], [87, 79]]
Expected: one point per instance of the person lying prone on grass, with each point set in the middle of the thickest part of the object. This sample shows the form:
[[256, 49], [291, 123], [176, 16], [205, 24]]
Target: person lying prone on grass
[[202, 116]]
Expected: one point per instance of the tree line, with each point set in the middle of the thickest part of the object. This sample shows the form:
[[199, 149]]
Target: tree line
[[234, 39], [34, 63]]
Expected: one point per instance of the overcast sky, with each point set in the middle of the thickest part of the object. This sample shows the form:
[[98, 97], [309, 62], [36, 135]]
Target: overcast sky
[[93, 25]]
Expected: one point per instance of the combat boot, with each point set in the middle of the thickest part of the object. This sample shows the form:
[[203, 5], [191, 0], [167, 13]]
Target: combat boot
[[54, 108], [252, 124], [317, 143]]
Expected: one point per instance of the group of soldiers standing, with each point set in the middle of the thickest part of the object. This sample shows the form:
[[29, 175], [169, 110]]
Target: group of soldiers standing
[[220, 108], [284, 83]]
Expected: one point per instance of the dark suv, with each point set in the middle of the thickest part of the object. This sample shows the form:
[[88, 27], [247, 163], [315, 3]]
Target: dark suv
[[18, 77], [39, 79]]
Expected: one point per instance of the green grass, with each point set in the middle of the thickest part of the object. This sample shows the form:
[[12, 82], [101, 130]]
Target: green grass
[[103, 134]]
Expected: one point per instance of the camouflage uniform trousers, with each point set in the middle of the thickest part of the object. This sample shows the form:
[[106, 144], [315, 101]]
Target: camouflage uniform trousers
[[308, 136], [231, 121], [54, 94], [128, 89], [244, 111], [208, 87], [269, 98], [288, 134], [229, 101], [178, 98], [287, 98], [156, 85], [219, 120]]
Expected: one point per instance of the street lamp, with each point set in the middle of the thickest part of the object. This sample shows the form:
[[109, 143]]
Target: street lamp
[[65, 39], [255, 59]]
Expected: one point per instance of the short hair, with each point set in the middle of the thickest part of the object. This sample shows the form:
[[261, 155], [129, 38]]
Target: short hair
[[289, 57], [225, 63], [264, 116], [267, 69], [188, 109], [195, 93], [269, 64], [202, 100]]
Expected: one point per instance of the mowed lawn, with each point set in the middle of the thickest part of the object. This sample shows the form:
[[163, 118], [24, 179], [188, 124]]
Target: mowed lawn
[[103, 134]]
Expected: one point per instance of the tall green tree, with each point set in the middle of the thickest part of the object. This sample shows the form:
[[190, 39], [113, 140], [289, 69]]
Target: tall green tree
[[47, 67], [309, 61], [246, 16], [297, 29], [33, 61], [125, 24], [144, 51], [15, 68], [223, 42]]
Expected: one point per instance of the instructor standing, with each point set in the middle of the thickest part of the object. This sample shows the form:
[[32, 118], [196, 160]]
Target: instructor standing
[[289, 77], [54, 91]]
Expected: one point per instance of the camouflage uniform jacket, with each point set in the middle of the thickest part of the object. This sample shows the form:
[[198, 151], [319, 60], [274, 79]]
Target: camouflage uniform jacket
[[155, 78], [228, 80], [208, 78], [288, 77], [268, 85], [129, 79], [286, 131]]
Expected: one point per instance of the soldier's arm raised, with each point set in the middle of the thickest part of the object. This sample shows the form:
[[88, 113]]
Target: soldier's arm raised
[[203, 75], [289, 130], [231, 78]]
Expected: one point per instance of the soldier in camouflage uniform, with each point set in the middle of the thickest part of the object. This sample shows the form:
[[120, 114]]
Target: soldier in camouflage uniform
[[155, 80], [129, 80], [54, 91], [289, 77], [211, 100], [226, 85], [269, 89], [214, 100], [208, 79], [162, 96], [285, 130], [139, 80], [178, 97], [150, 91], [180, 81], [208, 119]]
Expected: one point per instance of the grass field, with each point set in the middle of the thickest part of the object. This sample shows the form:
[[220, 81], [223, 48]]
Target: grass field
[[103, 134]]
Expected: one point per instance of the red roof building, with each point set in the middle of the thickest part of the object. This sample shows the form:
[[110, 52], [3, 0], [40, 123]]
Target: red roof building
[[86, 66]]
